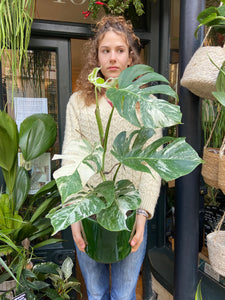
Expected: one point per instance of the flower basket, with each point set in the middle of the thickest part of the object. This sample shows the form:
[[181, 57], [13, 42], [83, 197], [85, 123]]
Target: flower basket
[[216, 248], [201, 72]]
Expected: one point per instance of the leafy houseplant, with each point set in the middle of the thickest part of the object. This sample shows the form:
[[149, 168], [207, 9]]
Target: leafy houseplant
[[60, 277], [19, 223], [212, 17], [111, 200]]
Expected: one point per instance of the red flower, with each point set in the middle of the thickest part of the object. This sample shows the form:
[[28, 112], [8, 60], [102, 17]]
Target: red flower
[[100, 3], [86, 13]]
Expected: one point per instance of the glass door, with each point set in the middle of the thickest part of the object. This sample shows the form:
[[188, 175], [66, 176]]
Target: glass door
[[44, 86]]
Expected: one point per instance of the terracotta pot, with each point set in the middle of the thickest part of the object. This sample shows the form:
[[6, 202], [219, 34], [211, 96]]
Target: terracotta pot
[[107, 246]]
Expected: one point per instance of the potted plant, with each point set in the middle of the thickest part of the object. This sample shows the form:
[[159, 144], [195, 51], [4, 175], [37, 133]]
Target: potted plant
[[21, 228], [60, 277], [201, 72], [111, 200]]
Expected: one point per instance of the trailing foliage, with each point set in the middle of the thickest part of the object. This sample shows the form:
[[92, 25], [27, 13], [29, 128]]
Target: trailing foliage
[[16, 17]]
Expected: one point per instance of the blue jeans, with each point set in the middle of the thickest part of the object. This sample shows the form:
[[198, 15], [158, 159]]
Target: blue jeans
[[124, 275]]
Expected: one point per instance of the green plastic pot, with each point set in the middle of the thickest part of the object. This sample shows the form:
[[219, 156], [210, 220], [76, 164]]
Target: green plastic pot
[[107, 246]]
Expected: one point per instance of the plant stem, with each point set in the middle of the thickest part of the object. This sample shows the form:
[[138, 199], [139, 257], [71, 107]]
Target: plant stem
[[100, 129], [114, 177], [98, 119], [106, 137]]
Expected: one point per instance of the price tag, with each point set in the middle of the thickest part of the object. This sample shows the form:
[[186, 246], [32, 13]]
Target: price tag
[[20, 297]]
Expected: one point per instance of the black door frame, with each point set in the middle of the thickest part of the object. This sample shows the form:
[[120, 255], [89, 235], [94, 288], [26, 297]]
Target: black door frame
[[64, 81]]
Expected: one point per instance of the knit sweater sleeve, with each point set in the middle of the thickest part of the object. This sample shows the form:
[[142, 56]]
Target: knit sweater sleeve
[[72, 125], [150, 184]]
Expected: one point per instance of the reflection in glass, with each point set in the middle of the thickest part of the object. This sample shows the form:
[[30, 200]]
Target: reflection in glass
[[36, 87]]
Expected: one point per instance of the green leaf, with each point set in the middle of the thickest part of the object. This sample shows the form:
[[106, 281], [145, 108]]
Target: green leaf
[[85, 161], [99, 82], [47, 242], [220, 81], [25, 231], [126, 198], [37, 135], [21, 188], [44, 207], [176, 159], [47, 188], [45, 268], [9, 141], [132, 89], [198, 295], [207, 15], [83, 204], [8, 218], [220, 96], [4, 265], [67, 267], [212, 16], [53, 294]]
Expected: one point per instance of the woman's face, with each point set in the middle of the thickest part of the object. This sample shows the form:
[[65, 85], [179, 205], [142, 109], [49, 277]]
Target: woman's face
[[113, 54]]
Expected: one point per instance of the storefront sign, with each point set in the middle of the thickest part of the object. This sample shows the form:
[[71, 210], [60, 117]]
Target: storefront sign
[[75, 2]]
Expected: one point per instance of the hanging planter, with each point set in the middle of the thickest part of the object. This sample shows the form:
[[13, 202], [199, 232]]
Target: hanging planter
[[200, 75], [210, 168], [216, 248]]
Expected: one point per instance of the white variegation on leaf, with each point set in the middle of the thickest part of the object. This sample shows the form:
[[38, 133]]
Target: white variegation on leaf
[[99, 82], [81, 164]]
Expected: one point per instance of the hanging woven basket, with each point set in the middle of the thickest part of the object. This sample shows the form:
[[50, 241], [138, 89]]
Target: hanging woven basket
[[216, 248], [210, 168], [200, 73], [221, 168]]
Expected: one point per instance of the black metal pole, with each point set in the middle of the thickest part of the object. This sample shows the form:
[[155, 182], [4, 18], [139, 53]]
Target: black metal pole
[[188, 187]]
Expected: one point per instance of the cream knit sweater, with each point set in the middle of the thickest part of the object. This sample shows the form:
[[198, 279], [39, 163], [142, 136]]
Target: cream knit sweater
[[81, 118]]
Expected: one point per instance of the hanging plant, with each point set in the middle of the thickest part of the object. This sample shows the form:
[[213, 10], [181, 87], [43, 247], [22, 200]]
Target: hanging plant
[[114, 7], [16, 17]]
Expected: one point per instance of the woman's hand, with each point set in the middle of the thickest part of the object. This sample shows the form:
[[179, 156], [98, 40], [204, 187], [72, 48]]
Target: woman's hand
[[138, 237], [77, 236]]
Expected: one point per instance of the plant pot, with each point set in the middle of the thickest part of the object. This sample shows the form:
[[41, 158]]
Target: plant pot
[[107, 246], [9, 285]]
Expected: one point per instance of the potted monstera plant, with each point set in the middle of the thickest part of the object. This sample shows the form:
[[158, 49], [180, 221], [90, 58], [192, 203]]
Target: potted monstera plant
[[111, 200]]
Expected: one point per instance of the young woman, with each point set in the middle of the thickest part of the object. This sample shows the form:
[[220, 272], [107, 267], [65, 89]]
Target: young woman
[[114, 47]]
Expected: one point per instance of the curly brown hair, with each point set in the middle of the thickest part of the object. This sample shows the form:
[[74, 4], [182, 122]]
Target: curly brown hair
[[107, 23]]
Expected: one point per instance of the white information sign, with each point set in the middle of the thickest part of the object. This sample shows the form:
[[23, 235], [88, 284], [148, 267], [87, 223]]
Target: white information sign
[[24, 107]]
